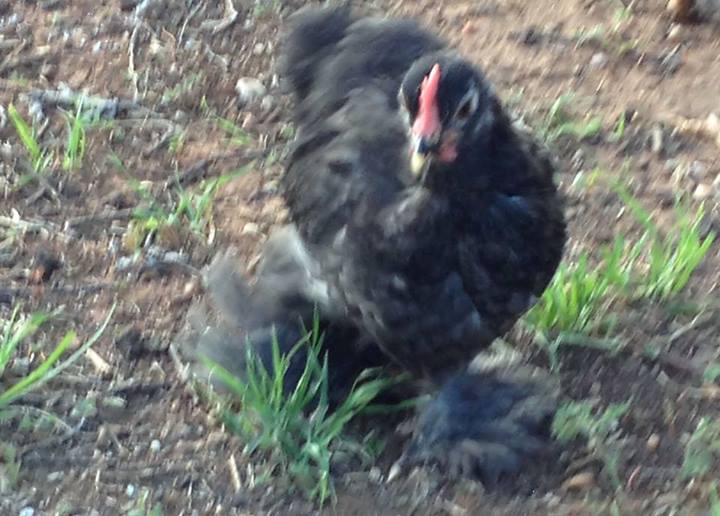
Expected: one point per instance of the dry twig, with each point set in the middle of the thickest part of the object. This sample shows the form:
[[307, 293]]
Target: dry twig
[[226, 21]]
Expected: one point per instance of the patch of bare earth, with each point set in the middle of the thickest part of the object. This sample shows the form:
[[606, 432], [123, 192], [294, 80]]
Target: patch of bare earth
[[135, 430]]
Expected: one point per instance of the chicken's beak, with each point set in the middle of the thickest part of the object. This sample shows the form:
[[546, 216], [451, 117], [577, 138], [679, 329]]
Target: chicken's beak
[[423, 150], [417, 163]]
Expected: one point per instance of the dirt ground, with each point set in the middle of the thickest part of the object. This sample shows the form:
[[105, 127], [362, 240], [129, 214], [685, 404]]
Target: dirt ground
[[137, 436]]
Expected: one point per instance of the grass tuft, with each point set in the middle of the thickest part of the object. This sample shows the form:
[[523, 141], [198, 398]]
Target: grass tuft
[[75, 146], [298, 430], [702, 449], [576, 419], [39, 158], [656, 267], [15, 331], [666, 262], [187, 207], [560, 122]]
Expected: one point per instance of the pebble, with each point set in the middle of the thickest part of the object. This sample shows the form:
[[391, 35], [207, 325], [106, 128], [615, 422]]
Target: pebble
[[20, 366], [656, 139], [6, 151], [48, 70], [175, 257], [123, 263], [653, 442], [697, 170], [130, 490], [249, 89], [579, 482], [26, 511], [191, 288], [469, 28], [671, 165], [113, 402], [598, 60], [180, 116], [155, 446], [702, 192], [251, 229], [675, 33], [55, 476], [266, 103], [259, 49], [375, 475], [191, 44]]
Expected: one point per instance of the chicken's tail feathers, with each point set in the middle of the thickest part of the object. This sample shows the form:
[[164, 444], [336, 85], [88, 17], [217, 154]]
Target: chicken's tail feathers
[[314, 33], [235, 315]]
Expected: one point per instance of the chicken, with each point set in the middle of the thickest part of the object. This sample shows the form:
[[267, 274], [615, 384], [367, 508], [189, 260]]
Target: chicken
[[423, 225]]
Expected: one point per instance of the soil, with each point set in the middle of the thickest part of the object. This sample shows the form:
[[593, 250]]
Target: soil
[[136, 434]]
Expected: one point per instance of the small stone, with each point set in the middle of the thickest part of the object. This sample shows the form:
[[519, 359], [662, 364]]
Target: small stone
[[656, 139], [259, 49], [251, 229], [114, 402], [375, 475], [180, 116], [48, 71], [665, 196], [598, 60], [266, 103], [155, 446], [55, 476], [670, 165], [190, 288], [579, 482], [248, 122], [130, 490], [469, 28], [26, 511], [191, 44], [175, 257], [20, 366], [702, 192], [697, 170], [6, 150], [675, 33], [249, 89], [653, 442], [123, 263]]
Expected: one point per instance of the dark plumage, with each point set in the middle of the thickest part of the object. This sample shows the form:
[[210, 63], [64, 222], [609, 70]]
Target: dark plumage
[[423, 225]]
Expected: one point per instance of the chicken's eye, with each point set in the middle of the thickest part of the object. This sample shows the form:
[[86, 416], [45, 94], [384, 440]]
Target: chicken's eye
[[464, 111]]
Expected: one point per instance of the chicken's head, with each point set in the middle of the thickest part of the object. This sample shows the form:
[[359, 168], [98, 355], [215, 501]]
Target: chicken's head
[[449, 108]]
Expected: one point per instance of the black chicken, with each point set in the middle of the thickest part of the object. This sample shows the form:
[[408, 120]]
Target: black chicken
[[423, 225]]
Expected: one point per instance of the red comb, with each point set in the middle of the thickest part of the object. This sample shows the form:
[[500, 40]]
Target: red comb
[[427, 121], [429, 88]]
